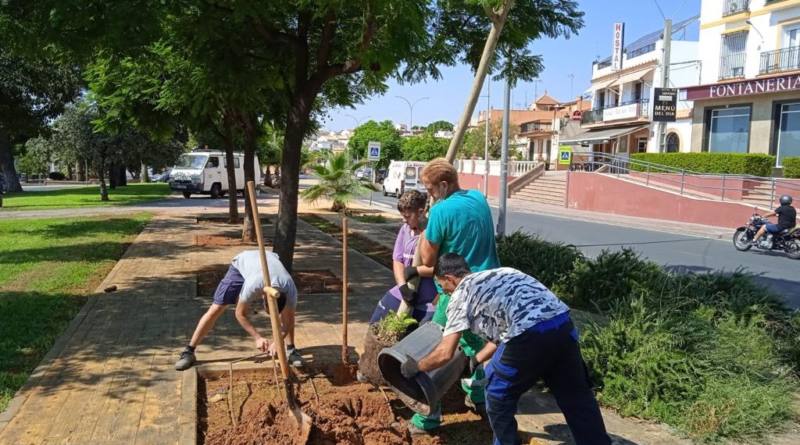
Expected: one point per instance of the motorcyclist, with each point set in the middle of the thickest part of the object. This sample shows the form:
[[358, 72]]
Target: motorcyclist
[[787, 219]]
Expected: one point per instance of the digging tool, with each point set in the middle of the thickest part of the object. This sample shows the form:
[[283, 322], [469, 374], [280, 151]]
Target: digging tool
[[271, 295], [344, 289]]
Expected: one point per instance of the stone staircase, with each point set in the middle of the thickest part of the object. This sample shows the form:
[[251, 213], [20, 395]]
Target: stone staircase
[[549, 188], [758, 195]]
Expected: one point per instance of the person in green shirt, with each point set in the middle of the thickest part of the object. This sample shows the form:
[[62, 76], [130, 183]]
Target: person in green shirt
[[460, 222]]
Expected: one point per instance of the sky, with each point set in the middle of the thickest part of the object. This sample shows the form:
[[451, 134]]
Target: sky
[[562, 58]]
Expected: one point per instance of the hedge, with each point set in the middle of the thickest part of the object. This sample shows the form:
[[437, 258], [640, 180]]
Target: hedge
[[791, 167], [732, 163], [714, 355]]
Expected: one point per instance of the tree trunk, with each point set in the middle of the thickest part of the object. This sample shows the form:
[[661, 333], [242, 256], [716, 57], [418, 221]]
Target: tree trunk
[[233, 204], [286, 228], [80, 167], [144, 175], [7, 165], [480, 75], [112, 176], [101, 176], [122, 175], [268, 178], [250, 130]]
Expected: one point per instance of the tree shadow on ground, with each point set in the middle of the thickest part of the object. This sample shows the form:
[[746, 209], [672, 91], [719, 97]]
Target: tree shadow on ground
[[85, 227]]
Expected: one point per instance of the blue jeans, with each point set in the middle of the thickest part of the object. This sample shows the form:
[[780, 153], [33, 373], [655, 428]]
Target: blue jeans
[[552, 355]]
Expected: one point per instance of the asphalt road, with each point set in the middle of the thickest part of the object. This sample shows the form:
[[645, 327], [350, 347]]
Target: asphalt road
[[683, 253]]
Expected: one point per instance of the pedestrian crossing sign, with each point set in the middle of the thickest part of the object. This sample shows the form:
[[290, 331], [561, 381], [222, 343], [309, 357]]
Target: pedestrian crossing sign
[[564, 155], [373, 151]]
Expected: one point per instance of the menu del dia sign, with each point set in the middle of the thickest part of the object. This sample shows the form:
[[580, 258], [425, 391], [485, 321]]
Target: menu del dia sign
[[665, 105]]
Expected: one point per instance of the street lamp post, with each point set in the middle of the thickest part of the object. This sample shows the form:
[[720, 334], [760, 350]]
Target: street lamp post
[[411, 110]]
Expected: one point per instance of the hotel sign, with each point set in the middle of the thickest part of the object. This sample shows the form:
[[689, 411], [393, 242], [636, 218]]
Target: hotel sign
[[618, 44], [745, 88], [629, 111]]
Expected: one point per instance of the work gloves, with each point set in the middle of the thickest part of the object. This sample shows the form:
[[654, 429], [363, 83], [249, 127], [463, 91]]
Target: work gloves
[[408, 295], [409, 273], [409, 369]]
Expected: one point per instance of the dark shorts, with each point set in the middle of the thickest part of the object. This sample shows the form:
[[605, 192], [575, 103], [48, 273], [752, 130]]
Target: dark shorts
[[229, 287], [774, 228]]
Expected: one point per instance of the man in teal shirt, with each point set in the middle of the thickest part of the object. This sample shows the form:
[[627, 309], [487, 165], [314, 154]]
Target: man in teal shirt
[[460, 222]]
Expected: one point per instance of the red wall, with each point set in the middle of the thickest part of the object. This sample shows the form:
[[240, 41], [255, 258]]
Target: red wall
[[601, 193], [470, 181]]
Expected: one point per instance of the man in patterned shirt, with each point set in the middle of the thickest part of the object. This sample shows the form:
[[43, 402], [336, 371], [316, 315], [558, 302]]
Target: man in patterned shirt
[[529, 335]]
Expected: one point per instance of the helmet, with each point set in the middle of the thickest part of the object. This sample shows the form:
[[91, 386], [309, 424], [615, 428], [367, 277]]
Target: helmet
[[786, 200]]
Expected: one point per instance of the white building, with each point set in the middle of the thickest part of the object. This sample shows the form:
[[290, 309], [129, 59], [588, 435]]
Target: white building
[[330, 140], [749, 97], [620, 120]]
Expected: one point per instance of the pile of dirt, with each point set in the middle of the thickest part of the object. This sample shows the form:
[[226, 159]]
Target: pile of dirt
[[344, 412]]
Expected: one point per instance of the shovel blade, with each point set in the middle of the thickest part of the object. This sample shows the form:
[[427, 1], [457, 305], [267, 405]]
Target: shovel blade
[[303, 420]]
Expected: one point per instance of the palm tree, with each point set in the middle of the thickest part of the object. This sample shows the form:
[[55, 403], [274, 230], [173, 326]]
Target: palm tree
[[337, 180]]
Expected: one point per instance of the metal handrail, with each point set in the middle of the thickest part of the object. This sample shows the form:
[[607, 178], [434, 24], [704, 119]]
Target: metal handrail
[[785, 59], [681, 179]]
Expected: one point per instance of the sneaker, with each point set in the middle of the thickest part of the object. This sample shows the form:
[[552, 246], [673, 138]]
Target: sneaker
[[417, 431], [294, 358], [186, 361], [478, 408]]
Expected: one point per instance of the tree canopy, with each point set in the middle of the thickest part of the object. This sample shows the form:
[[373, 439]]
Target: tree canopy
[[424, 147], [383, 132]]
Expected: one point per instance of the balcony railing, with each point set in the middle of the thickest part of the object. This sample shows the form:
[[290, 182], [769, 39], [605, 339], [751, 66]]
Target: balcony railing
[[635, 109], [535, 127], [786, 59], [592, 116], [732, 7], [732, 66]]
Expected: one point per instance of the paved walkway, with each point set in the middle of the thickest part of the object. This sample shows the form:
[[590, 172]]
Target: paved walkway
[[110, 377]]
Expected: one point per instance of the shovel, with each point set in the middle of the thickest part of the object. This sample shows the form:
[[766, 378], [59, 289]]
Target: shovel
[[271, 295]]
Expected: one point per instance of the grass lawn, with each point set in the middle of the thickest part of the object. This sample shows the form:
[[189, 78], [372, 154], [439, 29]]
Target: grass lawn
[[47, 266], [84, 197]]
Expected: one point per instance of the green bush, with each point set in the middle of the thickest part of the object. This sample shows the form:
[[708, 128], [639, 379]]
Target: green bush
[[549, 263], [791, 167], [732, 163], [597, 284], [714, 355]]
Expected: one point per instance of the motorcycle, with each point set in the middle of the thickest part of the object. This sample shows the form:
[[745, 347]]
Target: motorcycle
[[787, 240]]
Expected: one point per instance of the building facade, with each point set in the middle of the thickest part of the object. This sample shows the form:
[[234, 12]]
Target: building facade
[[749, 97], [622, 91], [545, 128]]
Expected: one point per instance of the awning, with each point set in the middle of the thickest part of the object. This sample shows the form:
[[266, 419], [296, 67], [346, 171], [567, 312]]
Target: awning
[[635, 76], [627, 78], [601, 136]]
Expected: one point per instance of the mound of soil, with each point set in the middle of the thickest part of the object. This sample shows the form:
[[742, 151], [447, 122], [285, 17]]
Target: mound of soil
[[345, 413]]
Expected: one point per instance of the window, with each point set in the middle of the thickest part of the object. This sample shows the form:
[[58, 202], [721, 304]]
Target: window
[[601, 100], [728, 130], [788, 143], [235, 162], [673, 143], [622, 145], [213, 162], [641, 145], [732, 55], [637, 92]]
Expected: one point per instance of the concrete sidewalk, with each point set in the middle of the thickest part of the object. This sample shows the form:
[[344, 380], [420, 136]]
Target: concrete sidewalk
[[110, 379]]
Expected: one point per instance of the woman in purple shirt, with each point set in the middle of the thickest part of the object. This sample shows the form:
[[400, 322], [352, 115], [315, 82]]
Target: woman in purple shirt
[[412, 208]]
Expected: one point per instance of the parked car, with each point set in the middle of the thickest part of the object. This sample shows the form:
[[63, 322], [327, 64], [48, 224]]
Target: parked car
[[204, 172], [161, 177], [364, 173]]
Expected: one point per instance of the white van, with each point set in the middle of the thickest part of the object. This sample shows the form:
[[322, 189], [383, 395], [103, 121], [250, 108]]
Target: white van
[[204, 172], [402, 176]]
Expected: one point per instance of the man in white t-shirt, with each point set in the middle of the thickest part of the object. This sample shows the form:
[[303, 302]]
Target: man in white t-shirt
[[243, 285]]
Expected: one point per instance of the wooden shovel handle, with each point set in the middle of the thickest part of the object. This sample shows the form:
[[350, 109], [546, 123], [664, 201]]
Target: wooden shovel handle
[[269, 296]]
